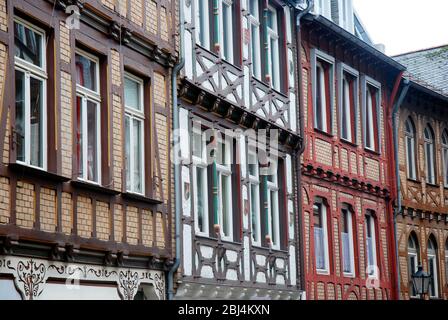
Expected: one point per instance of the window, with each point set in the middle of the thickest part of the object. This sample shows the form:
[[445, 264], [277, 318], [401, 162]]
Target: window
[[348, 103], [446, 261], [322, 90], [433, 267], [410, 148], [30, 95], [273, 206], [413, 261], [134, 131], [200, 189], [348, 255], [372, 265], [226, 27], [371, 109], [346, 15], [273, 47], [202, 23], [321, 236], [430, 155], [254, 194], [224, 175], [88, 101], [254, 20], [445, 157], [322, 7]]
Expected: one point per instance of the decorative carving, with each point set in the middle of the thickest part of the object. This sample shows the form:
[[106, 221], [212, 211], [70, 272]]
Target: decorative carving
[[30, 276], [128, 284]]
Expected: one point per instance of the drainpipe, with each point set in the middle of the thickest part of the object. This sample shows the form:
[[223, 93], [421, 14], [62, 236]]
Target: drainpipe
[[297, 155], [177, 177], [397, 209]]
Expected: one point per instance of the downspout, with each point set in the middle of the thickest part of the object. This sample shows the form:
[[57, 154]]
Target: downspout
[[177, 177], [297, 155], [397, 209]]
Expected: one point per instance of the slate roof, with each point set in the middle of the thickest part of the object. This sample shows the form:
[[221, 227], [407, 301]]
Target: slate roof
[[428, 67]]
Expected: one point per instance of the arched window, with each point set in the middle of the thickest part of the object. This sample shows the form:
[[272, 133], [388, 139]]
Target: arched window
[[410, 148], [413, 259], [445, 157], [430, 155], [371, 244], [321, 236], [433, 267], [347, 235]]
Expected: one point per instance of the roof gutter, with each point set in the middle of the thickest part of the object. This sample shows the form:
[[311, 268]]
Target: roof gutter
[[177, 191]]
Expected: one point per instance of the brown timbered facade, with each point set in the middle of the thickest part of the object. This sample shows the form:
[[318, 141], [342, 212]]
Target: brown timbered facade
[[85, 177]]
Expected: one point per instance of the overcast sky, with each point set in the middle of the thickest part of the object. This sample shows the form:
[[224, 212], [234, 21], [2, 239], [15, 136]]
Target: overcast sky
[[405, 25]]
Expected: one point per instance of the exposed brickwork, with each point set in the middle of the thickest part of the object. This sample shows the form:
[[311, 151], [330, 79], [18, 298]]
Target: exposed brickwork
[[137, 12], [4, 201], [66, 124], [117, 141], [160, 94], [102, 221], [164, 24], [118, 223], [25, 205], [48, 219], [162, 135], [3, 16], [132, 225], [65, 42], [67, 213], [151, 11], [147, 228], [84, 217], [160, 232]]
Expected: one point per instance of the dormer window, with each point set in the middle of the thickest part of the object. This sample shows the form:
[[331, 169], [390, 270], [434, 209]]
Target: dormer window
[[371, 114]]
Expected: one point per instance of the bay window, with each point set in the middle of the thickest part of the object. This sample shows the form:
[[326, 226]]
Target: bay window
[[254, 194], [413, 260], [226, 29], [348, 102], [321, 236], [322, 81], [371, 245], [273, 48], [348, 256], [134, 133], [254, 21], [200, 188], [430, 155], [445, 157], [88, 101], [30, 94], [410, 134], [224, 185], [433, 268], [272, 194], [371, 114]]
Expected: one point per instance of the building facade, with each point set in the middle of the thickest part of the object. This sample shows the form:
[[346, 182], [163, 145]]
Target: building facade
[[347, 215], [85, 178], [422, 221], [239, 235]]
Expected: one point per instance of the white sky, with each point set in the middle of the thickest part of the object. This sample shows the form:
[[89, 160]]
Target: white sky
[[405, 25]]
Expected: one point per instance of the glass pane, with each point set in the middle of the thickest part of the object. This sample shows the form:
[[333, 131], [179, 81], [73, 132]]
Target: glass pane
[[227, 31], [197, 144], [346, 253], [222, 155], [28, 44], [127, 129], [92, 146], [432, 271], [20, 115], [319, 248], [79, 137], [255, 50], [317, 216], [274, 214], [200, 198], [370, 255], [132, 94], [254, 7], [137, 146], [253, 165], [274, 61], [255, 213], [86, 73], [36, 126], [225, 205]]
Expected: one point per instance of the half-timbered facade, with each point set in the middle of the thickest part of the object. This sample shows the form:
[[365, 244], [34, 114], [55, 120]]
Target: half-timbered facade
[[422, 221], [347, 91], [239, 198], [85, 178]]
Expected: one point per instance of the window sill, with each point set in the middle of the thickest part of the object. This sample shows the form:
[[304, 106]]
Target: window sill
[[330, 135], [373, 152], [413, 180], [348, 142], [323, 272], [139, 197], [30, 171], [260, 247], [433, 185], [349, 275], [93, 187]]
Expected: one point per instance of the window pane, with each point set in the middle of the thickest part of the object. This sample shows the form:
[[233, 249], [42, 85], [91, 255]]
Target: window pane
[[92, 147], [274, 213], [137, 149], [20, 115], [28, 44], [86, 73], [36, 125], [253, 165], [200, 198], [254, 8], [274, 62], [319, 248], [127, 128], [225, 205], [255, 50], [79, 136], [222, 154], [346, 252], [197, 144], [255, 212], [132, 94], [227, 32]]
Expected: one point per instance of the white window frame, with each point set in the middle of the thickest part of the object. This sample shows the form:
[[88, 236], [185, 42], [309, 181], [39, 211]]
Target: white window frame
[[346, 13], [274, 53], [372, 270], [323, 8], [324, 217], [39, 73], [226, 30], [445, 157], [325, 58], [200, 163], [410, 139], [430, 157], [254, 182], [273, 208], [136, 115], [432, 256], [343, 70], [349, 213], [88, 95], [225, 170], [202, 12], [367, 81], [413, 255], [254, 23]]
